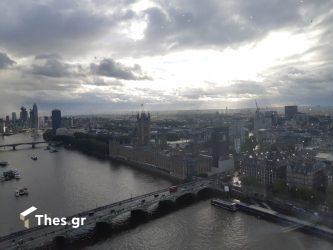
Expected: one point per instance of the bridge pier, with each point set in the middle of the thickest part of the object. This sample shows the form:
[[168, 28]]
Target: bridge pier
[[164, 207], [103, 227], [14, 147], [138, 216], [33, 145], [60, 242], [185, 199]]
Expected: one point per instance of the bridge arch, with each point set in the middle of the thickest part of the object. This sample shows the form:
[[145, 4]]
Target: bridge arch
[[138, 216], [164, 207], [60, 241], [185, 199], [205, 193], [103, 227]]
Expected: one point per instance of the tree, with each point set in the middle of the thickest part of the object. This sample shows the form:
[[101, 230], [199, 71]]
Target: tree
[[306, 194], [280, 187], [48, 135], [90, 144]]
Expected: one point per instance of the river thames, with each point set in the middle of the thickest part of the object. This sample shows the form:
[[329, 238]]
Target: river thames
[[67, 182]]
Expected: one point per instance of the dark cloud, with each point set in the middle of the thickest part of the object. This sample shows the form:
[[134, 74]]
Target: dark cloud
[[303, 84], [52, 68], [215, 23], [53, 65], [5, 61], [56, 26], [47, 56], [110, 68], [76, 27]]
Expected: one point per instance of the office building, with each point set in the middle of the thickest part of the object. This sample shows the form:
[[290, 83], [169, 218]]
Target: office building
[[34, 117], [310, 175], [290, 111], [266, 167], [56, 120], [24, 116], [14, 117]]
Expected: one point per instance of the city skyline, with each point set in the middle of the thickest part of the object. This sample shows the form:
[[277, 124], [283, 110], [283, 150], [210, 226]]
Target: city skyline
[[46, 111], [278, 165], [111, 56]]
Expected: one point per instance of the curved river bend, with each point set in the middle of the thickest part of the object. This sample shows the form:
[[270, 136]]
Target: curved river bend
[[68, 182]]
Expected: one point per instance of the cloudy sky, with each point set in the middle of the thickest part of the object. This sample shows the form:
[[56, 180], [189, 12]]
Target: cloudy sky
[[101, 56]]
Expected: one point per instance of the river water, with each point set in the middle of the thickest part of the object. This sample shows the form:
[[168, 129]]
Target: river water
[[67, 182]]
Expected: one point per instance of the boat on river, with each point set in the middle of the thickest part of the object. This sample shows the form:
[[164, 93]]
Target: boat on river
[[34, 157], [21, 192], [3, 163], [10, 175], [231, 206]]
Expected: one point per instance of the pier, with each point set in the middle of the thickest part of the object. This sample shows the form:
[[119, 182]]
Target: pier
[[292, 222]]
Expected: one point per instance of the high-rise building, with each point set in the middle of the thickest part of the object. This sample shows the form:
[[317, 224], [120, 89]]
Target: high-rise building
[[14, 117], [47, 121], [31, 118], [261, 121], [220, 144], [24, 116], [7, 119], [34, 117], [56, 120], [290, 111], [143, 128], [2, 126]]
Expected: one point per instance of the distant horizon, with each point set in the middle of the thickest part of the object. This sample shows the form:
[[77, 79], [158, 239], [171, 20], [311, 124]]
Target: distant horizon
[[126, 112]]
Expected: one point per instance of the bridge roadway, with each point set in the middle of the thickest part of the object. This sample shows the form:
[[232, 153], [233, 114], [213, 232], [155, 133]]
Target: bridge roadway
[[14, 145], [44, 235]]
